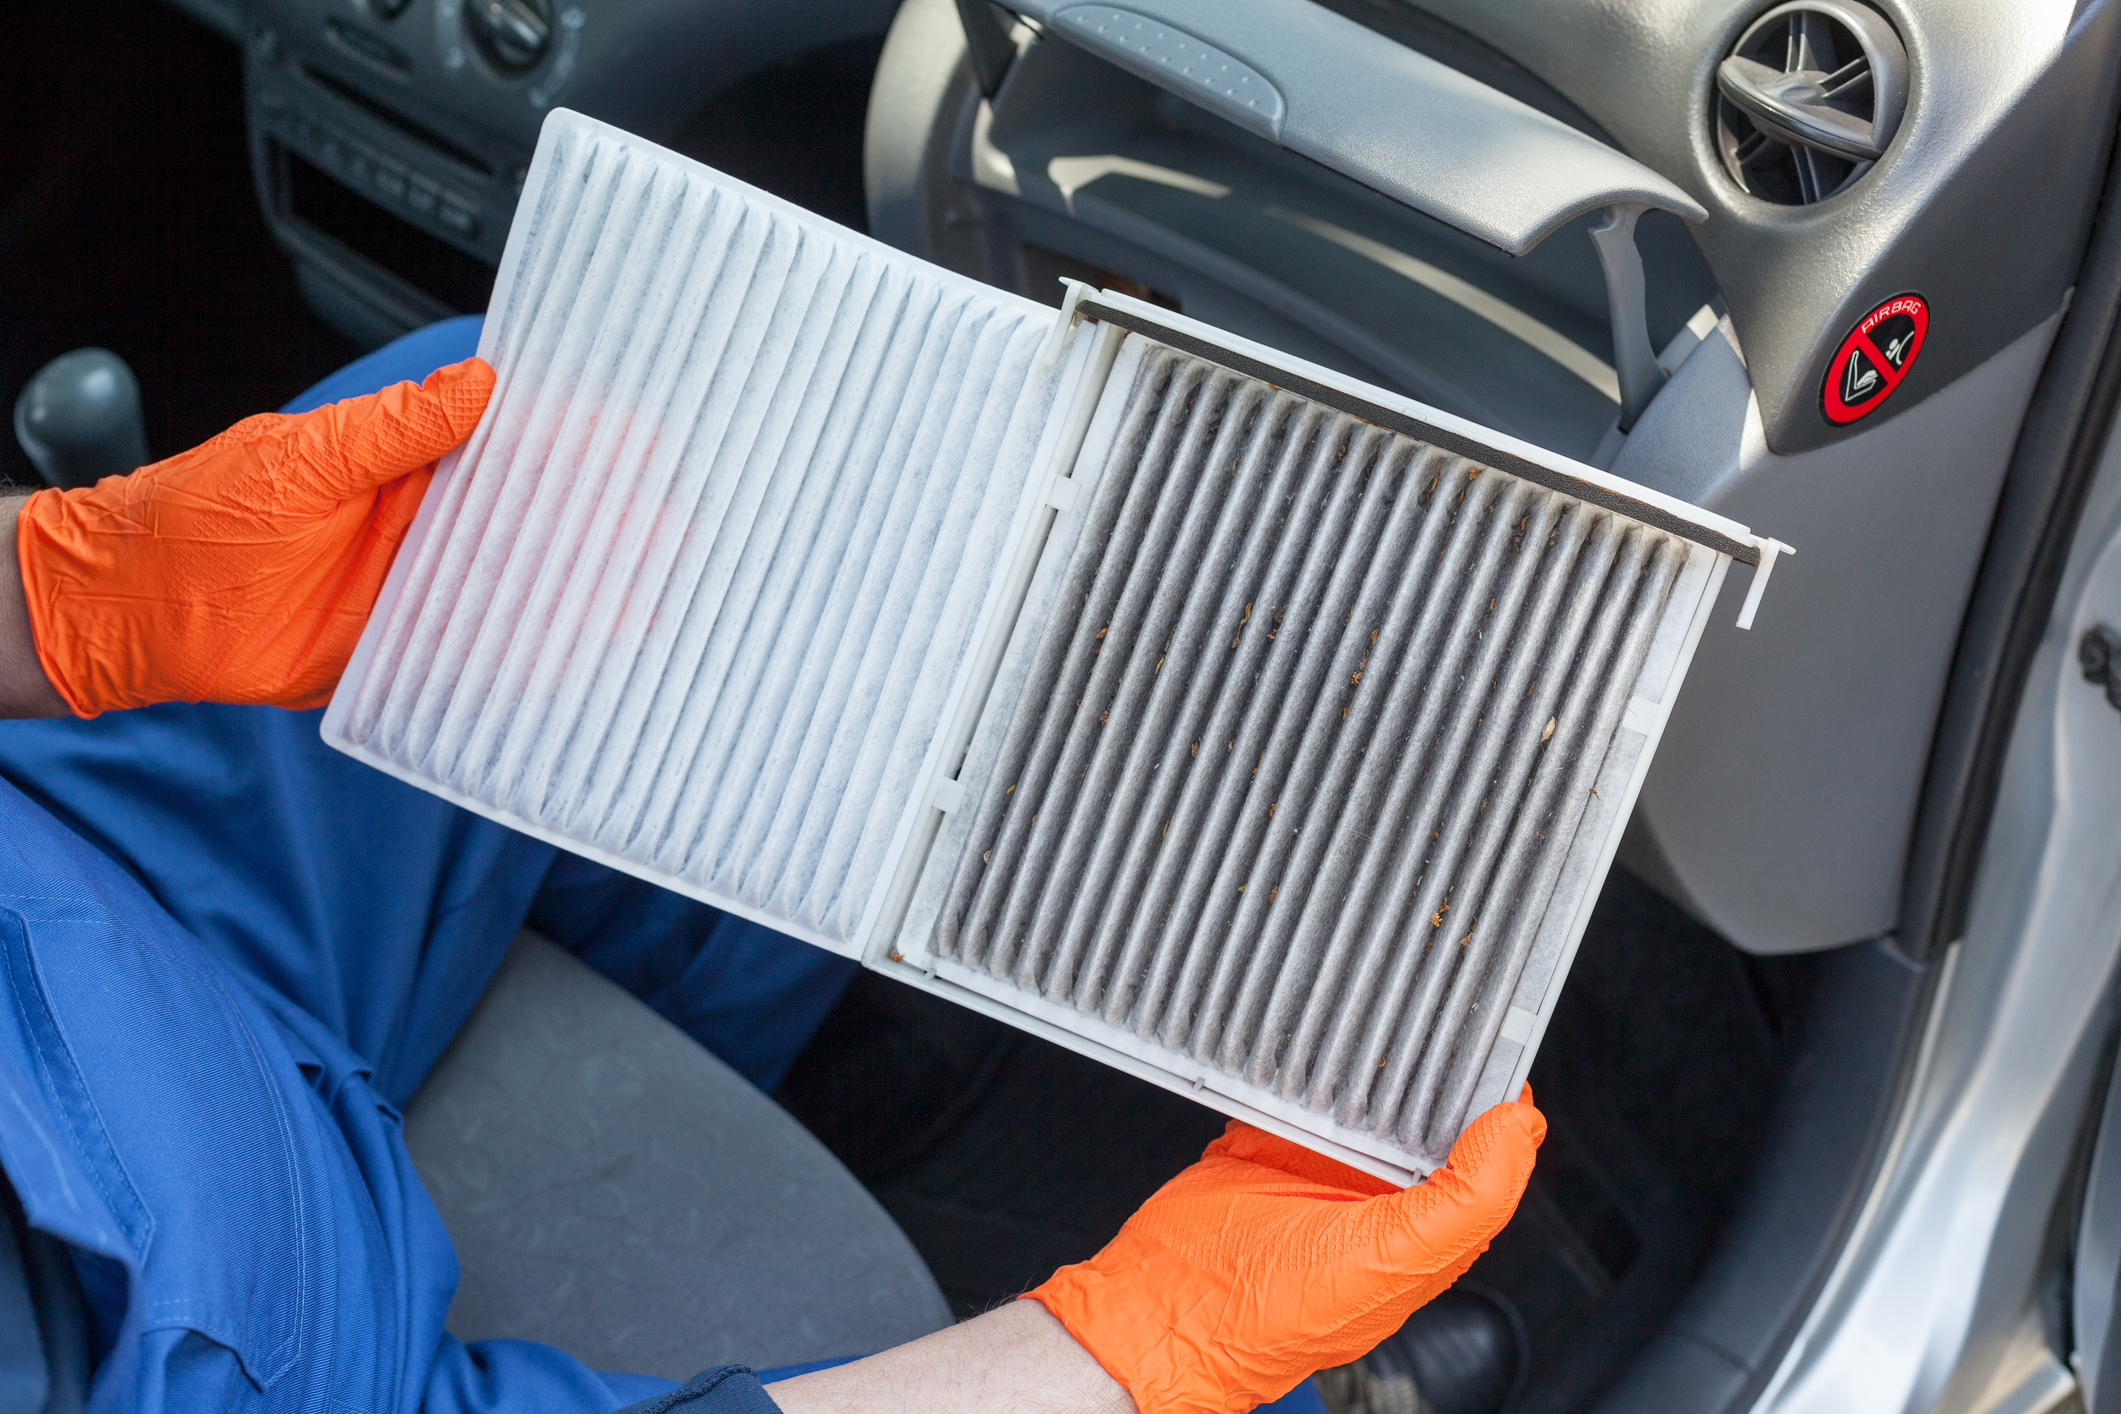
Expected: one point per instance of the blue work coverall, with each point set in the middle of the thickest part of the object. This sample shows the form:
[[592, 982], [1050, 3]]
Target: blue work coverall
[[232, 955]]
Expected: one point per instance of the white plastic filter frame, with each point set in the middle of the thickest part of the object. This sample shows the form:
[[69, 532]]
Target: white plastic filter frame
[[1078, 429], [555, 162]]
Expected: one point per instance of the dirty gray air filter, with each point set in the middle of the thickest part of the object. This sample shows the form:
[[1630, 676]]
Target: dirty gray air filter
[[1262, 733], [1318, 717]]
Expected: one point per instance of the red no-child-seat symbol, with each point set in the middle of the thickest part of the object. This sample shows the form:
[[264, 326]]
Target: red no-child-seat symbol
[[1874, 357]]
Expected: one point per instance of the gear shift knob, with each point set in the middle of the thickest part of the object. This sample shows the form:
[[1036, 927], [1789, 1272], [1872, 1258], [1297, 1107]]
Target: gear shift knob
[[79, 419]]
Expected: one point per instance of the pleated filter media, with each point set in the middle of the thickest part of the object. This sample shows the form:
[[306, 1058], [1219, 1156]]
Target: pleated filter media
[[1259, 732], [696, 592]]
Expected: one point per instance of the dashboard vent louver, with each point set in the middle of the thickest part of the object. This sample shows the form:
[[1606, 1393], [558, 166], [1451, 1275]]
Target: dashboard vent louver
[[1809, 99]]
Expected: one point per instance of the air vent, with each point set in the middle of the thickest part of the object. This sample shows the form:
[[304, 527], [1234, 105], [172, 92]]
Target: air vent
[[1809, 99]]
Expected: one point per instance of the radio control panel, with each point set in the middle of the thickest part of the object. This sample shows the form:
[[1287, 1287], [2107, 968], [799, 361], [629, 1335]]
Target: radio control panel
[[390, 138]]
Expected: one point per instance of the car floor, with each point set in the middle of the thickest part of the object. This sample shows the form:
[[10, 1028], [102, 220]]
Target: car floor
[[1003, 1156], [128, 220]]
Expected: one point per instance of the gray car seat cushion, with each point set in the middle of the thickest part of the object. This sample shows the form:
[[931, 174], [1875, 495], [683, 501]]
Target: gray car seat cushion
[[616, 1191]]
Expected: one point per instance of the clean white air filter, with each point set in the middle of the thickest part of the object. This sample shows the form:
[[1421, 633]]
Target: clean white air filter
[[697, 591], [1260, 732]]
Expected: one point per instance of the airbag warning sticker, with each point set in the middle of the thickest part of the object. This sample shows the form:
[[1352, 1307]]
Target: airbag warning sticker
[[1874, 357]]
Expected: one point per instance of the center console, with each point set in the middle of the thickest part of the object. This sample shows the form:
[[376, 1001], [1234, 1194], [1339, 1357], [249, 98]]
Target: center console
[[390, 138]]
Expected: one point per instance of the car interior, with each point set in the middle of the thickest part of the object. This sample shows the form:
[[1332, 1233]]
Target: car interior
[[239, 196]]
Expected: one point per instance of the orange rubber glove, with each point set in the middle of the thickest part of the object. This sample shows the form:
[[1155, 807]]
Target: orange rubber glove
[[244, 569], [1265, 1262]]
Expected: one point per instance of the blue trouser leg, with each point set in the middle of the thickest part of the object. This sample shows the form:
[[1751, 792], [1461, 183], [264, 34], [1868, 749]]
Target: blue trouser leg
[[375, 908], [368, 917]]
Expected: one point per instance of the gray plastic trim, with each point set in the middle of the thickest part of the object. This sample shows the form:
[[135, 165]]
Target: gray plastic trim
[[2098, 1265], [1937, 1301], [1376, 111], [1780, 807]]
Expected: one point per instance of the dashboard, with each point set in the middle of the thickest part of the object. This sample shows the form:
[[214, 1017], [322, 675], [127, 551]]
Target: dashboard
[[390, 138], [1925, 173]]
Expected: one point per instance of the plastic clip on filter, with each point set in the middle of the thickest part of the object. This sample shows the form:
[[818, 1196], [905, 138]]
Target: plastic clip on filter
[[1262, 733]]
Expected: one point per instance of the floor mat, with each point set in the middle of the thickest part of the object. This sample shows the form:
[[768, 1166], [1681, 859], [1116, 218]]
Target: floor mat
[[1003, 1156]]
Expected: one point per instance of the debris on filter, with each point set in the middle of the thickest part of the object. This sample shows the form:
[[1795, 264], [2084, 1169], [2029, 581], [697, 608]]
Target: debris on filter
[[1300, 734], [897, 956]]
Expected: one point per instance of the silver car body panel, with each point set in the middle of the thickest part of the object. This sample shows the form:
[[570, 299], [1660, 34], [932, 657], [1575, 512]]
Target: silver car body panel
[[1935, 1302]]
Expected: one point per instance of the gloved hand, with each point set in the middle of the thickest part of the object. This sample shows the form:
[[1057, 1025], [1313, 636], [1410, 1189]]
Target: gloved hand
[[1265, 1262], [242, 570]]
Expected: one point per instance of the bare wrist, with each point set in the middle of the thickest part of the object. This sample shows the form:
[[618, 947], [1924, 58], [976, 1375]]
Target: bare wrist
[[1018, 1358], [25, 690]]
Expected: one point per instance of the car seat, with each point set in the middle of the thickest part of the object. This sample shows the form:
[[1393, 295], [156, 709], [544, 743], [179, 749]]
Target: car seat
[[615, 1190]]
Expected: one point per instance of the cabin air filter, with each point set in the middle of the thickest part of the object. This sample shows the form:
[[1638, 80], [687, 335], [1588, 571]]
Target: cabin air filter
[[1262, 733]]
